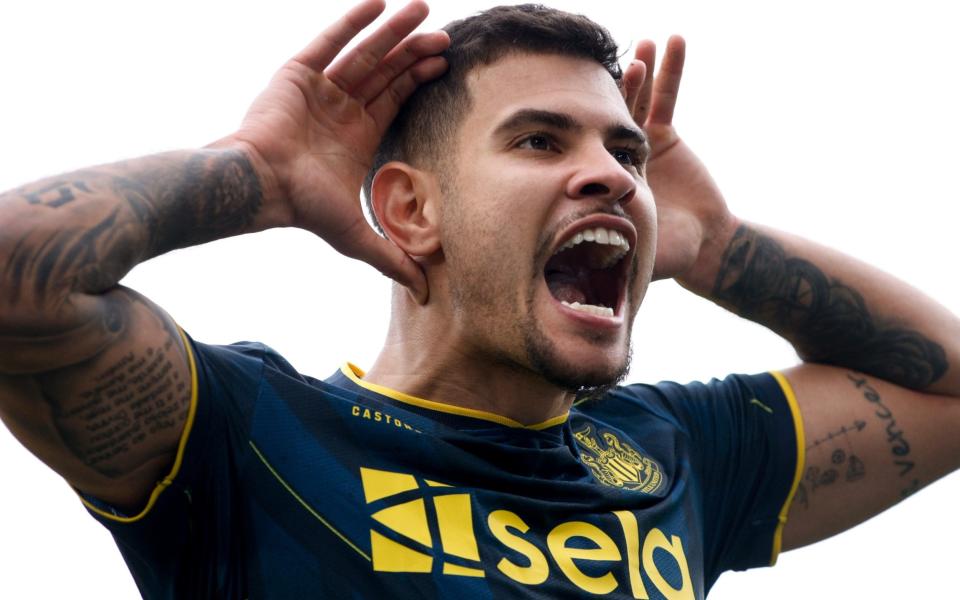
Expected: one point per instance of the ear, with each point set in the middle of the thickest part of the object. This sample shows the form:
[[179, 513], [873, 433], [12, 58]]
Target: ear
[[405, 202]]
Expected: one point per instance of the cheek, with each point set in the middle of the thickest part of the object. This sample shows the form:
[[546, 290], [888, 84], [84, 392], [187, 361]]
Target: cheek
[[644, 214], [474, 255]]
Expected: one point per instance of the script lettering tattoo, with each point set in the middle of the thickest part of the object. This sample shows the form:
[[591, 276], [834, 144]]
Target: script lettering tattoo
[[163, 203], [827, 321], [139, 395], [899, 446]]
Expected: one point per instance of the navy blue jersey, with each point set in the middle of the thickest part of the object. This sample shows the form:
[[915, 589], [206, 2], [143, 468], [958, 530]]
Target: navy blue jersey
[[290, 487]]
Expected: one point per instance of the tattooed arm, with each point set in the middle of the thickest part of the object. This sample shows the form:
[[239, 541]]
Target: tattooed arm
[[94, 378], [878, 388]]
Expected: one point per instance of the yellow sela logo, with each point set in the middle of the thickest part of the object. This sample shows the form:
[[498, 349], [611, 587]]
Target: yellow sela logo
[[401, 542]]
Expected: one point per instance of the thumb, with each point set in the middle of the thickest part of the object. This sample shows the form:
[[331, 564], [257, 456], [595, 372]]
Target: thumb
[[388, 258]]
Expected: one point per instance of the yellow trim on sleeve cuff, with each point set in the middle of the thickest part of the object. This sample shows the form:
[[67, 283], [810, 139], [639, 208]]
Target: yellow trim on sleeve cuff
[[355, 374], [166, 481], [801, 458]]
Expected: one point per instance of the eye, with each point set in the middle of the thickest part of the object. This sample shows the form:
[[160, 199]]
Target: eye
[[538, 141], [627, 157]]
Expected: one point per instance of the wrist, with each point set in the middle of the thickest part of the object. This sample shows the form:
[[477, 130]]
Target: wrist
[[275, 210], [701, 277]]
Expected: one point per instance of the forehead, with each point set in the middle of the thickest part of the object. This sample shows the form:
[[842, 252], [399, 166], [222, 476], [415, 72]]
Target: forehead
[[577, 86]]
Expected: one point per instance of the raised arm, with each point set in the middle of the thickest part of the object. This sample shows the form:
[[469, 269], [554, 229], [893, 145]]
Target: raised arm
[[877, 390], [94, 378]]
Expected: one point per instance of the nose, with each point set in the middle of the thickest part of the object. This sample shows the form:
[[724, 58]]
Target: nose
[[600, 176]]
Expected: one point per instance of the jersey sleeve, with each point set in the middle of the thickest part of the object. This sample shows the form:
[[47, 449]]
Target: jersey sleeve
[[187, 528], [742, 440]]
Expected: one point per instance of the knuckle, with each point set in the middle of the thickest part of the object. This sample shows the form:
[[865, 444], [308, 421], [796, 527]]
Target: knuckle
[[365, 58]]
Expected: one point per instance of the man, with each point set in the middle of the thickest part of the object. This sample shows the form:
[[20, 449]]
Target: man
[[542, 144]]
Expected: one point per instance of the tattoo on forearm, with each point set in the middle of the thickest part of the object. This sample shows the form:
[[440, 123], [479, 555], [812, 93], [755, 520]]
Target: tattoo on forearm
[[896, 439], [827, 320], [55, 194], [160, 203], [207, 198]]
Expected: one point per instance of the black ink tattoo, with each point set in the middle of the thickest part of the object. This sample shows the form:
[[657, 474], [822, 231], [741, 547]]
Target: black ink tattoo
[[817, 478], [802, 498], [108, 365], [857, 426], [137, 397], [160, 204], [843, 463], [911, 489], [55, 194], [855, 469], [899, 446], [827, 321], [905, 466], [211, 198]]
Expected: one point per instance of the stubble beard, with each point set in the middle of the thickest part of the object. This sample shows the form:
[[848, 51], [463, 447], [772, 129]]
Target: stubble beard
[[477, 297], [476, 294], [545, 359]]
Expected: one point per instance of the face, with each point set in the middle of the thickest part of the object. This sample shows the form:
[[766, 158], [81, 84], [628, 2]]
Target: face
[[548, 227]]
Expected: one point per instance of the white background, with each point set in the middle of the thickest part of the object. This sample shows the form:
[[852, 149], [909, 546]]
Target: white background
[[833, 120]]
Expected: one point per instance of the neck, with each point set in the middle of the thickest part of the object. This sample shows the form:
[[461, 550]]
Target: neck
[[425, 355]]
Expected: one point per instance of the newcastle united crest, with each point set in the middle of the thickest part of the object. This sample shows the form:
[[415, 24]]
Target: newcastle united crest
[[615, 463]]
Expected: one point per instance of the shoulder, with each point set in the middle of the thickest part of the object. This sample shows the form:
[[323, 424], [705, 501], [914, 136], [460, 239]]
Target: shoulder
[[240, 360], [667, 394], [684, 404]]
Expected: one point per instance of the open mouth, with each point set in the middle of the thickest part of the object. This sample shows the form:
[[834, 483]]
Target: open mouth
[[588, 272]]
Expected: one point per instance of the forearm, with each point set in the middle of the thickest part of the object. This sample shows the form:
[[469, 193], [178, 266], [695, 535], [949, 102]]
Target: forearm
[[832, 308], [68, 238]]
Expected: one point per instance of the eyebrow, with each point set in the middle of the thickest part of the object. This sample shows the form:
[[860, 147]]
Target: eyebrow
[[526, 117], [622, 132]]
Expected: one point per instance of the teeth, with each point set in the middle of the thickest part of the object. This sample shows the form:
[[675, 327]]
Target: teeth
[[600, 235], [592, 309]]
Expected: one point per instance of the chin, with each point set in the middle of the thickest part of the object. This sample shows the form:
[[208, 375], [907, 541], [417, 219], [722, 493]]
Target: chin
[[587, 367]]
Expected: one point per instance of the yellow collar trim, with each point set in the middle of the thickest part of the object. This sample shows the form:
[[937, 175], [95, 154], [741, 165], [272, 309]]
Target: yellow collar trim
[[355, 374]]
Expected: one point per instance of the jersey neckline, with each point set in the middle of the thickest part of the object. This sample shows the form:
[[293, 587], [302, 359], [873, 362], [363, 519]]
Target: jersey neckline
[[354, 374]]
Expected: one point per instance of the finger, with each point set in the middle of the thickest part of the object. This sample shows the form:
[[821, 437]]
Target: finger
[[666, 85], [398, 60], [325, 47], [646, 53], [384, 107], [633, 79], [356, 65], [388, 258]]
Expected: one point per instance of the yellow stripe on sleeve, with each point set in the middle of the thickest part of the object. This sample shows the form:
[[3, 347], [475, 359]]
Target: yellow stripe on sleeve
[[801, 457], [188, 426]]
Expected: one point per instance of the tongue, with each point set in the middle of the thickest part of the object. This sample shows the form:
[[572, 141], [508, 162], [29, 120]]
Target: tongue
[[567, 287]]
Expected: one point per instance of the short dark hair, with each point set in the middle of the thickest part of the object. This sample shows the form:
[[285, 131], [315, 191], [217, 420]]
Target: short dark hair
[[432, 115]]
